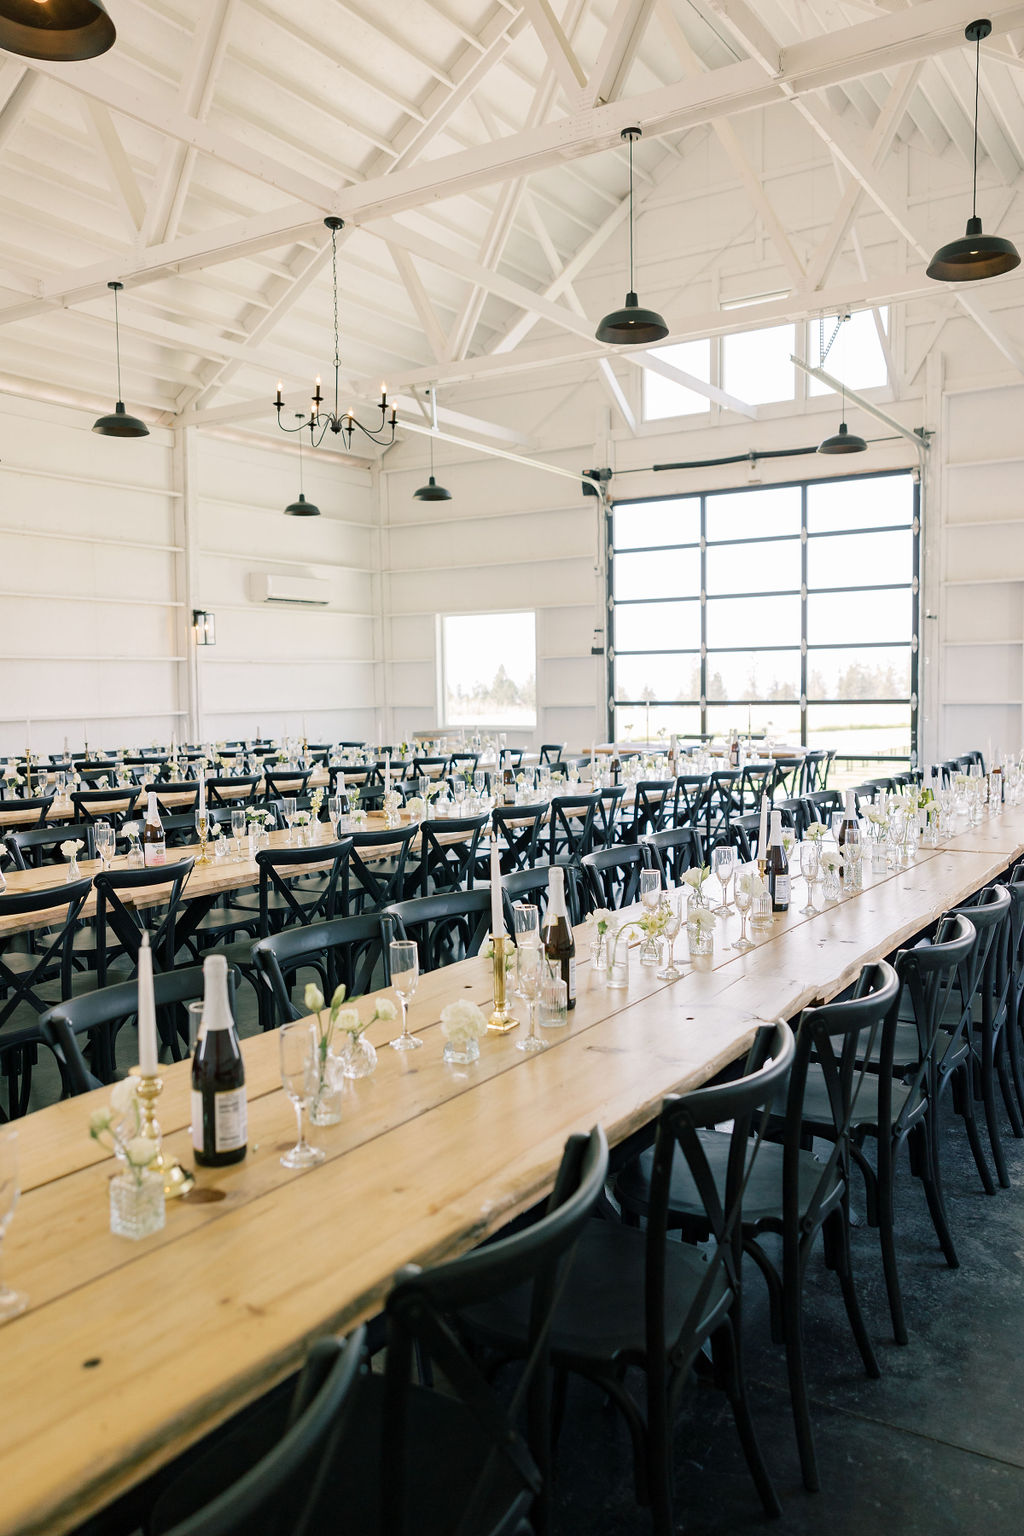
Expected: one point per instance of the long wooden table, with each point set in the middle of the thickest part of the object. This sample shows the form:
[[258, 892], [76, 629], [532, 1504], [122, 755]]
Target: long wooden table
[[129, 1352]]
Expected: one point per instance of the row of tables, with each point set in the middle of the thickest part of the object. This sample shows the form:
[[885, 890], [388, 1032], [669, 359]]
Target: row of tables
[[129, 1353]]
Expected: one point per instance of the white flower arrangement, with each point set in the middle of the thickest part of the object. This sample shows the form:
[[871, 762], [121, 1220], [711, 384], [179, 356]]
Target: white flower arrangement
[[316, 800], [876, 815], [70, 848], [696, 876], [416, 805], [703, 919], [599, 921], [815, 831], [107, 1126], [461, 1022], [214, 829], [749, 881], [830, 858], [302, 818], [653, 924]]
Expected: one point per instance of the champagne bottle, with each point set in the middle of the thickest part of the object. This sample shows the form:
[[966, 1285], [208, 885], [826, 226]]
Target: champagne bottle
[[616, 767], [849, 830], [778, 866], [219, 1128], [154, 844], [559, 944], [508, 785]]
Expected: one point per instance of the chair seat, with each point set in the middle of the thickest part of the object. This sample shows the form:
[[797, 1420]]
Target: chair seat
[[600, 1315], [762, 1198], [865, 1111]]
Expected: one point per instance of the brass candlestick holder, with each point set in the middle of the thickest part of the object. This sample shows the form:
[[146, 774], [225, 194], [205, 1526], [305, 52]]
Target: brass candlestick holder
[[177, 1180], [502, 1018], [203, 826]]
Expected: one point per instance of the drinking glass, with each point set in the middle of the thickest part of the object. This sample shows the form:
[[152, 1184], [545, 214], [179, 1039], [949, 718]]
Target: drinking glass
[[809, 870], [744, 901], [725, 864], [527, 925], [479, 780], [289, 806], [298, 1046], [529, 975], [238, 832], [11, 1302], [836, 821], [650, 888], [405, 975], [670, 971], [106, 842], [334, 813]]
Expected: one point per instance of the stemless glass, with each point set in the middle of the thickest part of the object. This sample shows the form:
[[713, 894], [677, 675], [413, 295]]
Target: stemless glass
[[298, 1046], [238, 832], [405, 975], [11, 1302], [529, 976], [809, 870], [725, 864], [289, 806]]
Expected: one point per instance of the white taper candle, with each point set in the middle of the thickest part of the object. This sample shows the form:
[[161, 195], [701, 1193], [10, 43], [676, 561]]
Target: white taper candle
[[148, 1061]]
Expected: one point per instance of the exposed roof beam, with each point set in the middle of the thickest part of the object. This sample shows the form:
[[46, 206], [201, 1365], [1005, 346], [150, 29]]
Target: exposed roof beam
[[658, 364], [499, 453], [560, 53], [749, 30], [115, 162], [420, 300], [865, 404], [626, 28], [16, 87]]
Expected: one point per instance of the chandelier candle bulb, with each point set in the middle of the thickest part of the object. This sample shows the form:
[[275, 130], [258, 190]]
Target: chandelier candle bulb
[[148, 1064]]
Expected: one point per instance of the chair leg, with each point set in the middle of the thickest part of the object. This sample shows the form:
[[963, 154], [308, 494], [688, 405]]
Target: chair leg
[[927, 1167], [887, 1240], [837, 1236], [1006, 1084], [793, 1325], [728, 1342], [963, 1103], [988, 1098]]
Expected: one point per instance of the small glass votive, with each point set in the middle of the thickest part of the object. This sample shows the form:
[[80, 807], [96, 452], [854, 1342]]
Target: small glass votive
[[553, 1012], [761, 911]]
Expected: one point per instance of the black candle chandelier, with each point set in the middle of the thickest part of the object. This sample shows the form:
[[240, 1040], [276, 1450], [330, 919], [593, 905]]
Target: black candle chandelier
[[321, 421]]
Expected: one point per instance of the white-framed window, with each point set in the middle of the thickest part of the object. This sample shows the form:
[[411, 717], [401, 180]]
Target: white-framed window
[[488, 669], [856, 357]]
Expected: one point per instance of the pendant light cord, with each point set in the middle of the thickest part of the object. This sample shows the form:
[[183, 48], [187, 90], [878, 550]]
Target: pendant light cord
[[117, 345], [631, 285], [337, 345], [977, 85]]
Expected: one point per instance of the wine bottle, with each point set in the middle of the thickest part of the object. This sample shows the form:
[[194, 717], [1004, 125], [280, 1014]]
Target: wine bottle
[[559, 944], [219, 1128], [508, 785], [778, 866], [849, 829], [154, 844], [616, 767]]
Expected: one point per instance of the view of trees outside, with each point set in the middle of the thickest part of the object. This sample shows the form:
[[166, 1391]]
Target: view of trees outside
[[859, 614], [490, 669]]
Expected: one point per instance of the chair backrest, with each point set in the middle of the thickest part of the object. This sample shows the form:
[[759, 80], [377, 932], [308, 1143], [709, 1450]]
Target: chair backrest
[[185, 792], [430, 767], [448, 850], [820, 804], [673, 851], [51, 957], [343, 949], [36, 846], [281, 782], [688, 799], [375, 883], [126, 922], [744, 832], [788, 776], [653, 808], [445, 928], [928, 974], [301, 904], [680, 1123], [719, 804], [816, 766], [114, 805], [518, 828], [551, 751], [571, 827], [537, 1257], [225, 1494], [612, 875], [756, 779], [531, 885], [232, 790], [31, 805], [510, 757], [989, 912]]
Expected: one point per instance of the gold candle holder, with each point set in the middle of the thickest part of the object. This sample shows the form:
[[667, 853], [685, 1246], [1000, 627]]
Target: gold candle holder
[[203, 824], [502, 1018], [177, 1180]]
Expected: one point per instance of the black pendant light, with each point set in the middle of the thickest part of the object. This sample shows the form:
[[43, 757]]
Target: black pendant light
[[631, 326], [59, 30], [843, 441], [119, 423], [976, 255], [302, 507], [432, 491]]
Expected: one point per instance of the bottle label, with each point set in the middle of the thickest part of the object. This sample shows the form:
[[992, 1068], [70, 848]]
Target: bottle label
[[570, 979], [197, 1120], [230, 1120], [781, 893], [155, 853]]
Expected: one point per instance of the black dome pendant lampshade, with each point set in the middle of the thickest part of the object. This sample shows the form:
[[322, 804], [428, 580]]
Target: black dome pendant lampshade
[[843, 441], [631, 326], [119, 423], [302, 507], [61, 31], [432, 491], [977, 255]]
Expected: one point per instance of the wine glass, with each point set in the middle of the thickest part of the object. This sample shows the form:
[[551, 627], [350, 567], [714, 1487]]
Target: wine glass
[[298, 1045], [527, 925], [11, 1302], [725, 863], [650, 888], [405, 975], [673, 922], [238, 832], [836, 823], [529, 975], [744, 901], [289, 805], [809, 870]]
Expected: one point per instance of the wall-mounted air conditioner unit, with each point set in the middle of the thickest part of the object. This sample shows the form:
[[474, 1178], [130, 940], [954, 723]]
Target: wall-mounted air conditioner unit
[[307, 590]]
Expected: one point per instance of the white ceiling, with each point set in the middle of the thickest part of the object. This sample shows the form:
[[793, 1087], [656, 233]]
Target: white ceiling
[[472, 147]]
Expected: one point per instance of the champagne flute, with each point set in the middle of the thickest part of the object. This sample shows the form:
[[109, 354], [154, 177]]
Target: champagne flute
[[106, 842], [809, 870], [744, 900], [298, 1045], [334, 813], [650, 888], [405, 975], [289, 806], [527, 925], [11, 1302], [238, 832], [670, 971], [725, 863], [529, 975]]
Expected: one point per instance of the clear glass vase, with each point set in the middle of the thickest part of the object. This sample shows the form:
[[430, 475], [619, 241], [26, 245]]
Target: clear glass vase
[[325, 1107], [598, 953], [136, 1205], [701, 940], [461, 1052], [359, 1057], [830, 884], [73, 871]]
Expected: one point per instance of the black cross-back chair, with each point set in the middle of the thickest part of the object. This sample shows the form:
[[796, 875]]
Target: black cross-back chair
[[821, 804], [652, 809], [518, 829], [265, 1472], [719, 805], [673, 851], [376, 883], [39, 804], [787, 777], [114, 805], [989, 911], [23, 975], [688, 799], [745, 830], [551, 751], [606, 817], [791, 1195], [120, 926], [345, 950], [232, 791], [101, 1015], [1015, 1023], [176, 788], [755, 780], [282, 782], [571, 827], [531, 886], [35, 847], [612, 876], [445, 928], [816, 768], [430, 767], [445, 864], [636, 1299]]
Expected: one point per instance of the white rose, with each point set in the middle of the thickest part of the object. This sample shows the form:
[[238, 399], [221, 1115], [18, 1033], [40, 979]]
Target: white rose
[[100, 1120], [386, 1010], [123, 1096], [462, 1021], [347, 1020], [140, 1151]]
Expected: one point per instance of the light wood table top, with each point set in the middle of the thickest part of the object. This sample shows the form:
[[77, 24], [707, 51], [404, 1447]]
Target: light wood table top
[[135, 1350], [63, 810]]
